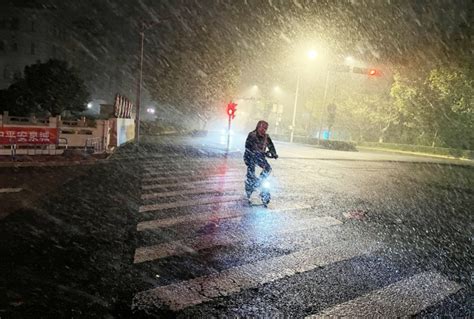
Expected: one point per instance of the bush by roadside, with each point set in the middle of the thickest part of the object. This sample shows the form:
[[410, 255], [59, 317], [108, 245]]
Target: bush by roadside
[[467, 154], [157, 128], [328, 144]]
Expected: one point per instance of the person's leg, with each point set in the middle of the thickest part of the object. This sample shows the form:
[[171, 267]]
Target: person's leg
[[251, 180], [266, 168]]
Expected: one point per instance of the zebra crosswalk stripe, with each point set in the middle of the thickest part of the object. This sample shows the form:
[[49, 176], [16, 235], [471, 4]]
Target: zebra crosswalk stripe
[[194, 183], [190, 176], [167, 222], [202, 289], [404, 298], [151, 173], [179, 247], [201, 217], [192, 191], [192, 202]]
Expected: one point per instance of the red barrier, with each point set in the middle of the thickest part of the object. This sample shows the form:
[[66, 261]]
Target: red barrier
[[28, 135]]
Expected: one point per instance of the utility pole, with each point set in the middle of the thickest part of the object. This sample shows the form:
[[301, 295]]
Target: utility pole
[[139, 86], [294, 107], [143, 27]]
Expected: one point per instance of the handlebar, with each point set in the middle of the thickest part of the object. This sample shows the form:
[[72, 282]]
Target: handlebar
[[271, 155]]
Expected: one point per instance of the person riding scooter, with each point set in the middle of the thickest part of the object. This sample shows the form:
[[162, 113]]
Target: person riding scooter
[[255, 151]]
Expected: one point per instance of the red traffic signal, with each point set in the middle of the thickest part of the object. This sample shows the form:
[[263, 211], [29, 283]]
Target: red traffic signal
[[369, 72], [231, 108], [374, 72]]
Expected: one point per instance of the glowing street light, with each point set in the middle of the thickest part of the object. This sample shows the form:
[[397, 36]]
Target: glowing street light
[[89, 105], [150, 110], [312, 54], [349, 60]]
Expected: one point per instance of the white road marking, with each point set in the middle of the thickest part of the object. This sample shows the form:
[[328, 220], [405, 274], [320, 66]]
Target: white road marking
[[191, 191], [10, 190], [192, 202], [222, 181], [150, 172], [404, 298], [192, 245], [190, 176], [207, 216], [202, 217], [202, 289], [175, 164]]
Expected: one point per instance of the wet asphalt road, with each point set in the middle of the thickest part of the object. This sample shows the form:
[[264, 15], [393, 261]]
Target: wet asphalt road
[[166, 232]]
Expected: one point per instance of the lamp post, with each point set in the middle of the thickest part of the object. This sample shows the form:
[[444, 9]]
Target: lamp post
[[294, 107], [144, 27], [324, 103], [349, 60], [311, 55]]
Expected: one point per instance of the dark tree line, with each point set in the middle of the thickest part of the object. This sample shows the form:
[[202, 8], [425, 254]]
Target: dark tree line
[[46, 88]]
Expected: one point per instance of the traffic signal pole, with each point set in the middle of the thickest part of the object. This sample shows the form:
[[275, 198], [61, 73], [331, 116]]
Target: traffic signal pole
[[231, 114], [228, 134]]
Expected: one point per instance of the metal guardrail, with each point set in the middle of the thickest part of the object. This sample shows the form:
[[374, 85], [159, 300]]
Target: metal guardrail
[[94, 145], [65, 142]]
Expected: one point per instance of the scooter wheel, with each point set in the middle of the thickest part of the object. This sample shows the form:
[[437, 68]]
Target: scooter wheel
[[265, 197]]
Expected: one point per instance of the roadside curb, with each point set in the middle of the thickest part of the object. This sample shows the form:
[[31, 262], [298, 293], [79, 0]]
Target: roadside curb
[[56, 163], [416, 153]]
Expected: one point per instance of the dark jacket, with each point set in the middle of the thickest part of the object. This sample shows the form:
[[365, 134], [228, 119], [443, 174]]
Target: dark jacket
[[256, 145]]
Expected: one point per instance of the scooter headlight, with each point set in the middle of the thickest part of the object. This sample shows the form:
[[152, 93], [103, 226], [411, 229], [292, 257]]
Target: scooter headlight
[[266, 184]]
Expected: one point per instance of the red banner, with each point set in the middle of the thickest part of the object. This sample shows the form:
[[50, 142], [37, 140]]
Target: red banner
[[28, 135]]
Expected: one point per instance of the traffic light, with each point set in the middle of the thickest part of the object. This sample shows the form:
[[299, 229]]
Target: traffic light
[[369, 72], [374, 72], [231, 108]]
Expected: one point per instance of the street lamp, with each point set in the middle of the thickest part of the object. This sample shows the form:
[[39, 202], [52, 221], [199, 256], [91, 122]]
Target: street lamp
[[144, 27], [311, 55], [324, 102], [349, 60]]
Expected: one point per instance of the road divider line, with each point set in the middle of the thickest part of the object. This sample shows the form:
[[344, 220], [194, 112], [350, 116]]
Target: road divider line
[[193, 202], [203, 289], [192, 245], [10, 190], [404, 298]]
